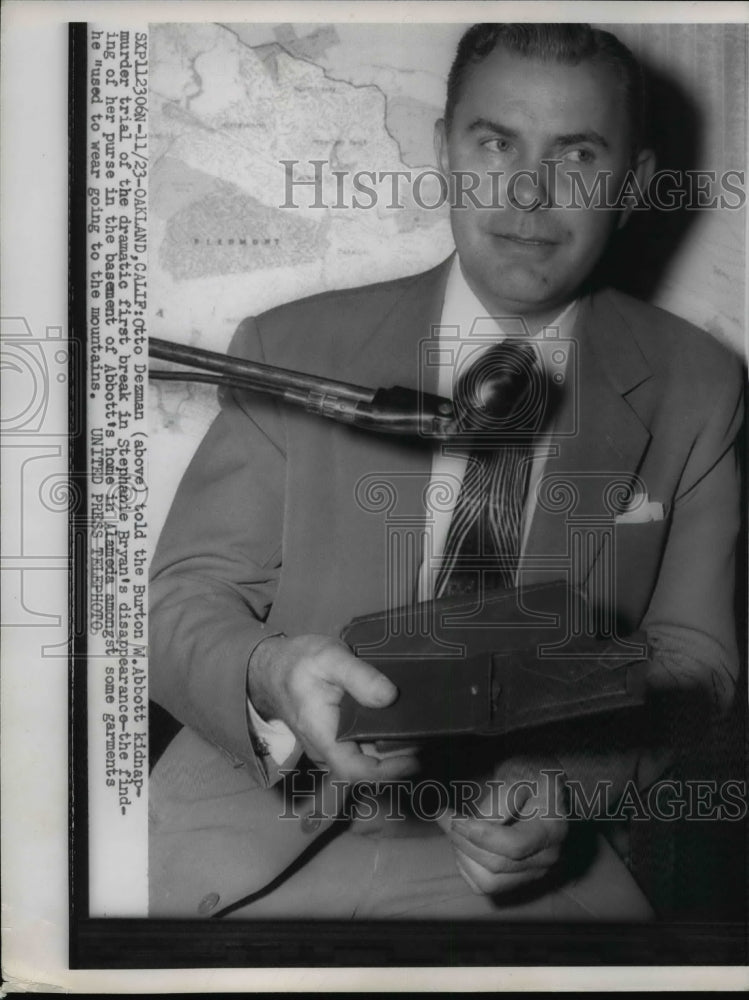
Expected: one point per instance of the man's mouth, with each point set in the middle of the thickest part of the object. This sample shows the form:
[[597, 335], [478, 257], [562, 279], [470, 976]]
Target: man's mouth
[[526, 241]]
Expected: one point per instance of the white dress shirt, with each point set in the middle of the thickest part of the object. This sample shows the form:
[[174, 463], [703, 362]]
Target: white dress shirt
[[464, 334]]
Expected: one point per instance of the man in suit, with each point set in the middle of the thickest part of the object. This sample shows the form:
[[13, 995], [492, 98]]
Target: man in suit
[[285, 527]]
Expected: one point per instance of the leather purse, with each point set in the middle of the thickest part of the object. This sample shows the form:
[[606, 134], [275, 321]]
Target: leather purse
[[512, 661]]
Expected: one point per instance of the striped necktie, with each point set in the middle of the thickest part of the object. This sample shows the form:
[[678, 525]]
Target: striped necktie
[[501, 402]]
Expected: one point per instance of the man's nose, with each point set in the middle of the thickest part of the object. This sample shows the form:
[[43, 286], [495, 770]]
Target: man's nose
[[527, 187]]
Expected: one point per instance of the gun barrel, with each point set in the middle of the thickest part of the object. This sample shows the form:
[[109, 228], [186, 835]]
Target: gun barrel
[[250, 374], [392, 411]]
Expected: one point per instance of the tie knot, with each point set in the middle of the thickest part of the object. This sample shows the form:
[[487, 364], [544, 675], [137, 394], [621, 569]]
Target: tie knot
[[503, 393]]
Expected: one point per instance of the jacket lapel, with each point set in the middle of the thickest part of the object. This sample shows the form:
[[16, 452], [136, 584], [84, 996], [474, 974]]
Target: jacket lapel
[[600, 437], [387, 477], [391, 352]]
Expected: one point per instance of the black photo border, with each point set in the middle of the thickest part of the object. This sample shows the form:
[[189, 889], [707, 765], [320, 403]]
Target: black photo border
[[96, 943]]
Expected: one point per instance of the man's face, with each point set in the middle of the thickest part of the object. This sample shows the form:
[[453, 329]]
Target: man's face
[[513, 114]]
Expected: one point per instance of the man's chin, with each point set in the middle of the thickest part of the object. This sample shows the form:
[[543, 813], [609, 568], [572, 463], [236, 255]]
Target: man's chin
[[527, 297]]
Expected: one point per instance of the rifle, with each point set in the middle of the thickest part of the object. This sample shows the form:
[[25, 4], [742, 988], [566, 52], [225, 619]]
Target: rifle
[[390, 411]]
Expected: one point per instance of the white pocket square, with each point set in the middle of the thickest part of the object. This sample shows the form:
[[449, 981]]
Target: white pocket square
[[641, 510]]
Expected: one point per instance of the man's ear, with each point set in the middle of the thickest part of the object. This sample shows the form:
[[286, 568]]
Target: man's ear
[[440, 146], [643, 170]]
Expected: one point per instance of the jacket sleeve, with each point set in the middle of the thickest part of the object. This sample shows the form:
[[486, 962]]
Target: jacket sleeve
[[216, 568], [690, 622]]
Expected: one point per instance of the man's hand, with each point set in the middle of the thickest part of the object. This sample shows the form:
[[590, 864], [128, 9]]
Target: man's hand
[[302, 681], [522, 835]]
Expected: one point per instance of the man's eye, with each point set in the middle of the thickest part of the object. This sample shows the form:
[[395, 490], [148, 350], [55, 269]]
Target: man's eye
[[581, 156], [497, 145]]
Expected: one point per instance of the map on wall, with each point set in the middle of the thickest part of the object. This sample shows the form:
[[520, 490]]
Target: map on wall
[[229, 104]]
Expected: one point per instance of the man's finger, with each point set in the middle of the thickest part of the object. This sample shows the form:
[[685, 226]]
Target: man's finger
[[362, 681], [349, 764], [380, 750], [516, 840], [497, 863], [488, 883], [316, 729]]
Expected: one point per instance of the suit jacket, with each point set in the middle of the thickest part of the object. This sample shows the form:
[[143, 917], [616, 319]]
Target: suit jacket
[[286, 522]]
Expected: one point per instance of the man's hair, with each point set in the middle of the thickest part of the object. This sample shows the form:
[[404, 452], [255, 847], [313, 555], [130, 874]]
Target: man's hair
[[563, 43]]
